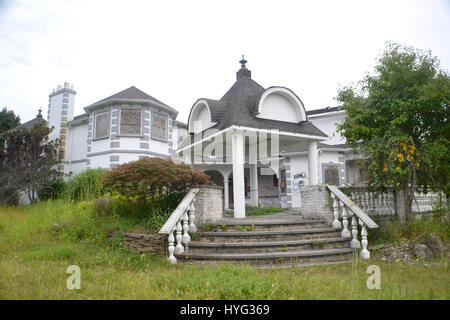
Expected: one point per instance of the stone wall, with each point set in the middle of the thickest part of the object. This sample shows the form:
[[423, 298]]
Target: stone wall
[[208, 205], [149, 243], [316, 203]]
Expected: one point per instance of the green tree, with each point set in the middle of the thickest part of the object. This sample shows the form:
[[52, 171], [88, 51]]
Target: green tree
[[8, 120], [27, 162], [397, 119]]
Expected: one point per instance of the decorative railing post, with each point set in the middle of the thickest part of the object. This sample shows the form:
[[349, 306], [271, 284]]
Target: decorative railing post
[[192, 227], [186, 237], [171, 248], [179, 247], [355, 244], [345, 233], [336, 223], [365, 254]]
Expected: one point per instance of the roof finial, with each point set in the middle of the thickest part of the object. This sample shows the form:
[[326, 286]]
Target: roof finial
[[243, 62], [40, 113]]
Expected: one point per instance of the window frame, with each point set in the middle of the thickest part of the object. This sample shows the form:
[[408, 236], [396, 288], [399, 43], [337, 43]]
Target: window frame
[[94, 129], [167, 126], [119, 123]]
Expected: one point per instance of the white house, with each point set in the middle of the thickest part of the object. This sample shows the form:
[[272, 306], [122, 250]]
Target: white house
[[259, 143], [121, 128]]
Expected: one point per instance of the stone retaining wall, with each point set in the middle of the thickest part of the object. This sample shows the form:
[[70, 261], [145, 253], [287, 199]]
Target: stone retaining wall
[[149, 243]]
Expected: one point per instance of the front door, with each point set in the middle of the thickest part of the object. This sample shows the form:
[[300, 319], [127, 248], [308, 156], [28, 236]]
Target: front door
[[331, 174]]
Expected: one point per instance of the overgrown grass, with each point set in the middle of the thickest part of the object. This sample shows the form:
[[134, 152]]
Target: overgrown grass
[[415, 230], [86, 185], [34, 259]]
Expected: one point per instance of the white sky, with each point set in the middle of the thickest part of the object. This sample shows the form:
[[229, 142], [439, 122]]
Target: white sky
[[179, 51]]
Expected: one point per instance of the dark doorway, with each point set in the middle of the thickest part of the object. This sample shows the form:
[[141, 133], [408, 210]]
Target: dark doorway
[[331, 174]]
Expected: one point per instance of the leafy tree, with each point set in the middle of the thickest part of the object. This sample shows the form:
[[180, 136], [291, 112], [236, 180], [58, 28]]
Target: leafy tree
[[397, 119], [8, 121], [28, 160]]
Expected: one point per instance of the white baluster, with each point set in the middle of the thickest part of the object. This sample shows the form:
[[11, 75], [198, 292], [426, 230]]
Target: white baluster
[[192, 227], [355, 242], [365, 254], [171, 248], [345, 233], [336, 223], [186, 237], [179, 248]]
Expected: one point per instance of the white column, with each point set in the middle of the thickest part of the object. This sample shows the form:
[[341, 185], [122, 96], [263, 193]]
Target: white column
[[254, 185], [225, 194], [312, 163], [238, 174]]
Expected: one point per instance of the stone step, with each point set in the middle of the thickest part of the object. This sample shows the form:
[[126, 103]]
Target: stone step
[[267, 246], [270, 235], [256, 225], [291, 257]]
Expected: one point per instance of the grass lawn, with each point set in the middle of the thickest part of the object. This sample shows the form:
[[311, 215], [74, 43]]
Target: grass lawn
[[33, 263]]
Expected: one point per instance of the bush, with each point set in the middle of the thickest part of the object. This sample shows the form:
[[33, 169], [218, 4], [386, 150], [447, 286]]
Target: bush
[[53, 190], [86, 185], [153, 183]]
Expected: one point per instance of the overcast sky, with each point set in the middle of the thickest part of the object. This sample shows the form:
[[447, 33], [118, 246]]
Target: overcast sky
[[179, 51]]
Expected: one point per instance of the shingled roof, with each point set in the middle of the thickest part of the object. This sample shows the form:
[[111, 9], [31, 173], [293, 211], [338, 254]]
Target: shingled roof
[[30, 124], [239, 107], [132, 94]]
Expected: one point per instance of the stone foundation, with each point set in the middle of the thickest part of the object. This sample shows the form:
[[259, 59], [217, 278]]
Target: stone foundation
[[208, 205], [316, 203]]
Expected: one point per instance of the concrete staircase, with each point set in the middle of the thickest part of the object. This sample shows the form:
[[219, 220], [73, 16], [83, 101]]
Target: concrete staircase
[[277, 240]]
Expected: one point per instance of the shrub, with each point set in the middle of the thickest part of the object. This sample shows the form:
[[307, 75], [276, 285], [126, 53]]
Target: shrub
[[86, 185], [154, 182], [53, 190]]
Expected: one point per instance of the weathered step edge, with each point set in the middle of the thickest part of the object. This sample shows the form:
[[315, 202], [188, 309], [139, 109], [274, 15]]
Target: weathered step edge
[[264, 233], [265, 255], [209, 244]]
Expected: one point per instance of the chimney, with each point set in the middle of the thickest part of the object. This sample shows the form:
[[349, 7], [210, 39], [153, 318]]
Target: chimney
[[243, 72]]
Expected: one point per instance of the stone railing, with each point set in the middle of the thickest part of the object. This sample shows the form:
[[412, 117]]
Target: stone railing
[[390, 202], [180, 224], [346, 210]]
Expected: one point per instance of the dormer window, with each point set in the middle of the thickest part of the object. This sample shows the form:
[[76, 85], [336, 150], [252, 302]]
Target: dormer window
[[130, 122]]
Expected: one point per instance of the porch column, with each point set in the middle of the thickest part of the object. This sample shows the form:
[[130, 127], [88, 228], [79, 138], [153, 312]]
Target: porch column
[[254, 185], [225, 194], [312, 163], [238, 174]]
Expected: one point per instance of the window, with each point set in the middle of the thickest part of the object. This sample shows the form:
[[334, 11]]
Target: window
[[130, 122], [283, 180], [101, 125], [159, 126]]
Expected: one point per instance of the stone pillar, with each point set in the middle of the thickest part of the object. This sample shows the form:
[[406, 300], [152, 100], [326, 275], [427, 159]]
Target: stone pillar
[[316, 203], [225, 194], [238, 174], [312, 163], [208, 205], [254, 185]]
